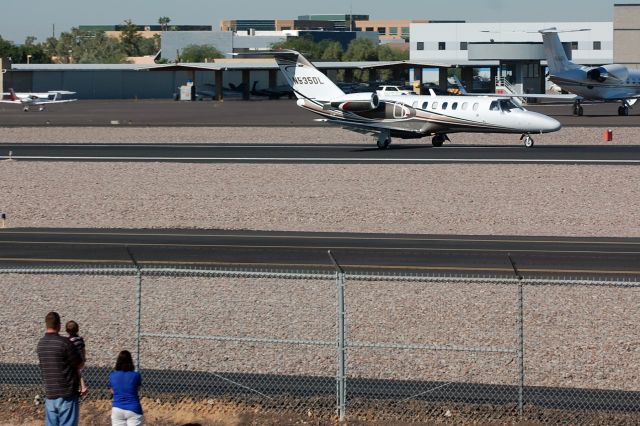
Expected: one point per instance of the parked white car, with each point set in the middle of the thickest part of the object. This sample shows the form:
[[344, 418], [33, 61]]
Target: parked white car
[[392, 91]]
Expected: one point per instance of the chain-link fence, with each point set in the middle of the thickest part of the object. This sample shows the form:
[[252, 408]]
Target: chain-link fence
[[402, 347]]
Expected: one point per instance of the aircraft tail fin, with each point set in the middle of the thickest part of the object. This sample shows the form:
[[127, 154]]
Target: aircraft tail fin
[[12, 95], [304, 78], [556, 56]]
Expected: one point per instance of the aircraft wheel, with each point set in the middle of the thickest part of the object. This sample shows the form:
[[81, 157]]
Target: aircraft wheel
[[620, 110], [528, 141], [580, 111], [437, 140], [625, 110], [383, 143]]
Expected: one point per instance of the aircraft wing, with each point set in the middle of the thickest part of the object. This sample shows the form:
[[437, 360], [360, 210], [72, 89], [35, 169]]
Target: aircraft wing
[[46, 101], [362, 127], [566, 97], [61, 92]]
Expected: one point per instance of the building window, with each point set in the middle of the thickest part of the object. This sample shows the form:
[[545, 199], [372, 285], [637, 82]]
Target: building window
[[369, 29], [463, 45], [420, 45], [382, 30], [574, 45], [597, 45], [442, 45], [393, 30]]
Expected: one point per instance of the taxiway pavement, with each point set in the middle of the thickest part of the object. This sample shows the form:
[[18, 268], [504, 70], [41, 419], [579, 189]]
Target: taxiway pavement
[[400, 153], [237, 113], [390, 253]]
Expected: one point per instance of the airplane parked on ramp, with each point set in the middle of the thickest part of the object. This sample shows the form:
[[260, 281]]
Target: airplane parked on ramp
[[40, 99], [408, 116], [608, 83]]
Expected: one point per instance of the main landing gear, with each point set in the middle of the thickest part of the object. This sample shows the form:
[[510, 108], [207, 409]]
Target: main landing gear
[[577, 109], [623, 109], [527, 140], [384, 139], [439, 139]]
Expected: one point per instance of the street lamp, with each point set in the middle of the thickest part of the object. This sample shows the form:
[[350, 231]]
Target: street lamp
[[70, 51], [28, 59]]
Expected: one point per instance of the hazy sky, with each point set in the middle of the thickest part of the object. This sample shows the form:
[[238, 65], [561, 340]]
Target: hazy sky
[[36, 17]]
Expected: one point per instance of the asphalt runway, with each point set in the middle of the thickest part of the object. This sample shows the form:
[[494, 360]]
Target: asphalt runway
[[430, 254], [238, 113], [400, 153]]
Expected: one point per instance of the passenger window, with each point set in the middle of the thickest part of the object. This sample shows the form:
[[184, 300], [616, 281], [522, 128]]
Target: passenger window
[[494, 106], [425, 105], [475, 106], [444, 105], [415, 104], [465, 105], [454, 106], [434, 105]]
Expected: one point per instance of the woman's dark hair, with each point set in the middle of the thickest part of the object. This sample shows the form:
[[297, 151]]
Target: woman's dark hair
[[124, 362]]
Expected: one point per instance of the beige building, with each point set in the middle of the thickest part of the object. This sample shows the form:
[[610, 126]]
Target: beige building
[[389, 29], [626, 34]]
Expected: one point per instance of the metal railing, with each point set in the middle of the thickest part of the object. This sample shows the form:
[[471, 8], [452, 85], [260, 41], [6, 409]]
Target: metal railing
[[410, 347]]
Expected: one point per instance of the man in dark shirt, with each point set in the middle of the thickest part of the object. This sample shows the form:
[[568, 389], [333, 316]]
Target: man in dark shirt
[[59, 363]]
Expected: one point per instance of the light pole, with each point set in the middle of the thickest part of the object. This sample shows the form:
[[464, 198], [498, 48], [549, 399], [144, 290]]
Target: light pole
[[28, 59], [70, 51]]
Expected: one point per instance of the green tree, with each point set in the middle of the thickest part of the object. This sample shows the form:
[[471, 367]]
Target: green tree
[[361, 49], [130, 38], [332, 51], [164, 22], [9, 50], [84, 47], [199, 52], [305, 45]]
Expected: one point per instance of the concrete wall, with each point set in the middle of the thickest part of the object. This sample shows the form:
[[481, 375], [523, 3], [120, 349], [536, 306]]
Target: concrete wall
[[626, 34]]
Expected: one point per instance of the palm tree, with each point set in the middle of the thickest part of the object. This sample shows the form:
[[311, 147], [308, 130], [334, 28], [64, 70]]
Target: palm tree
[[164, 22]]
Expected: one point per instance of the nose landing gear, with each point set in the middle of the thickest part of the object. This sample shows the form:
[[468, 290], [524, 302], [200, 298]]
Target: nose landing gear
[[623, 109], [527, 140], [577, 109]]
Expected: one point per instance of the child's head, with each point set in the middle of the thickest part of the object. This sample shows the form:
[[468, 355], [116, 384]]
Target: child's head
[[72, 327]]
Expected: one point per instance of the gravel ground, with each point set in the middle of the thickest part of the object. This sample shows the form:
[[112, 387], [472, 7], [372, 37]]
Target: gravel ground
[[568, 200], [330, 134]]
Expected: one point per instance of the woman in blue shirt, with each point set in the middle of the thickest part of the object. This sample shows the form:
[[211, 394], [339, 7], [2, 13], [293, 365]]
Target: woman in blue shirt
[[125, 382]]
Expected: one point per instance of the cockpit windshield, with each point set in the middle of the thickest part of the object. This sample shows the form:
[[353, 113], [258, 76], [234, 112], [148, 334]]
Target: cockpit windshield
[[505, 105]]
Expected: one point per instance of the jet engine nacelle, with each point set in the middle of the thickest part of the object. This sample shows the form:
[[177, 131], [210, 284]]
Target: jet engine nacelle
[[608, 72], [356, 102]]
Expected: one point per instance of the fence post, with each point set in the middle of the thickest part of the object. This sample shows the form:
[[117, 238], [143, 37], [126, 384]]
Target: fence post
[[341, 376], [520, 331], [138, 306]]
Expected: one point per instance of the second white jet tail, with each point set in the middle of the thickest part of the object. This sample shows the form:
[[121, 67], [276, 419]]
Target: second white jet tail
[[305, 79], [556, 56]]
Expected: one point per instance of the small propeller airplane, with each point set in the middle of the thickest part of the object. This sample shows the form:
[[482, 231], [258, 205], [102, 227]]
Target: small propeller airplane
[[40, 99], [407, 116]]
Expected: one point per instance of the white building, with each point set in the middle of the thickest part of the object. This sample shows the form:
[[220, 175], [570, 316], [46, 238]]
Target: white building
[[462, 43]]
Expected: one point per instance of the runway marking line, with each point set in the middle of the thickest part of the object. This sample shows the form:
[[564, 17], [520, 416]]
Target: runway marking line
[[321, 159], [299, 265], [130, 244], [320, 237]]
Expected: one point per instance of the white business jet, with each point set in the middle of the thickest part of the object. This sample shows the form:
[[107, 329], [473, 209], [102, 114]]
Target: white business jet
[[40, 99], [608, 83], [407, 116]]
